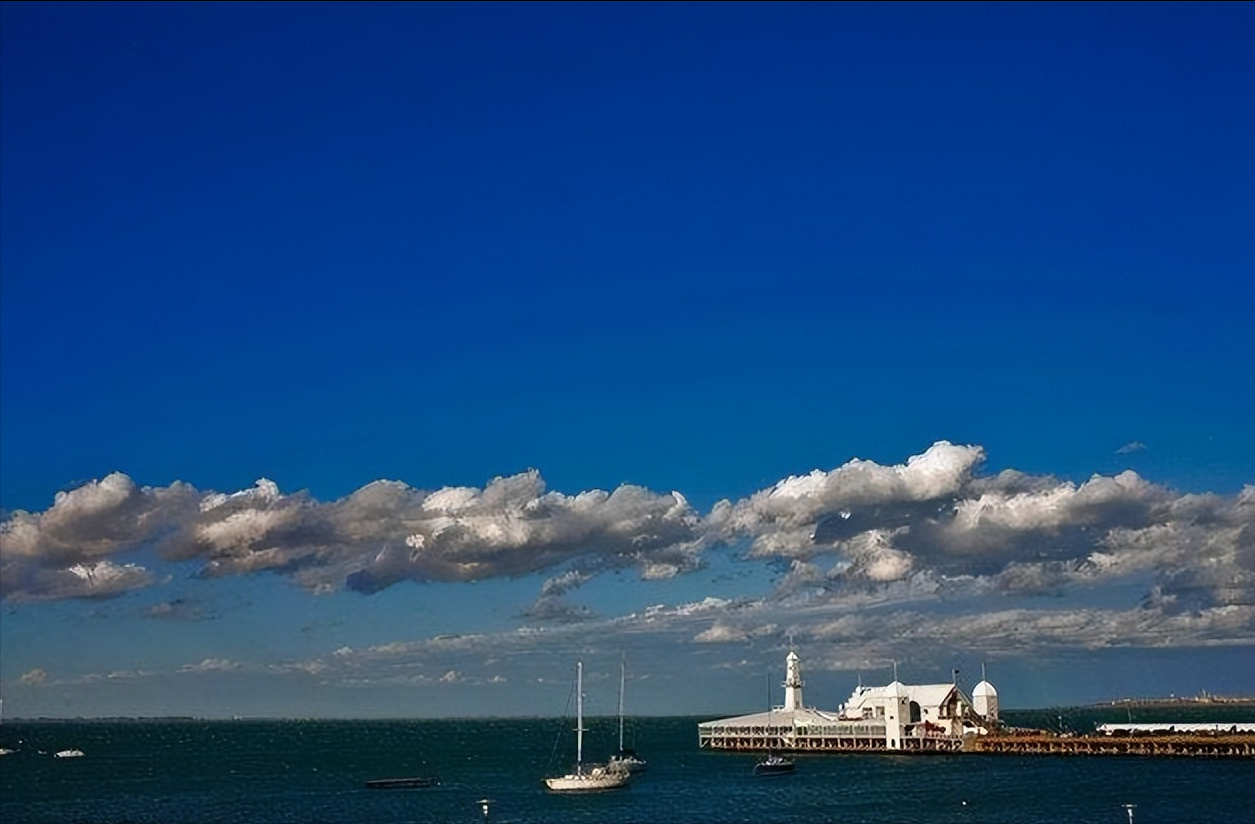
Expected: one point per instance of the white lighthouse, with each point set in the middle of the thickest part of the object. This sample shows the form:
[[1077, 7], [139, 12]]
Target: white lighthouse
[[792, 682]]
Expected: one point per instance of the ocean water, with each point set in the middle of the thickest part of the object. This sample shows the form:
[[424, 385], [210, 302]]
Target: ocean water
[[315, 771]]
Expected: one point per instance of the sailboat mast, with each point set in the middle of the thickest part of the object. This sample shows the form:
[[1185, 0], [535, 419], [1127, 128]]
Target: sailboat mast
[[579, 714], [622, 670]]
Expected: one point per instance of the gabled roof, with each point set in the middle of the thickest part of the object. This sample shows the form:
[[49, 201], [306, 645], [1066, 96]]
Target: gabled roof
[[932, 695], [926, 695]]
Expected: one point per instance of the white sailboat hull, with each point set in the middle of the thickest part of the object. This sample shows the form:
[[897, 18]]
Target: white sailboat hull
[[595, 780]]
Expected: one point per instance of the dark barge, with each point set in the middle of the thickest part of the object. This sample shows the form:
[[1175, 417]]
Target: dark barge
[[401, 783]]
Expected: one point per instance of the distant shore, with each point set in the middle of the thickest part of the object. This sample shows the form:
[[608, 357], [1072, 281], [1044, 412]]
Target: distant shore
[[1203, 699]]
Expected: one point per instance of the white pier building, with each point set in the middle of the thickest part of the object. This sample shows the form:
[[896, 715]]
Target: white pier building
[[894, 718]]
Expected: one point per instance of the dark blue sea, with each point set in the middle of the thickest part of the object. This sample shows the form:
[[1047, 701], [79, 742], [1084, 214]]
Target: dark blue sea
[[174, 770]]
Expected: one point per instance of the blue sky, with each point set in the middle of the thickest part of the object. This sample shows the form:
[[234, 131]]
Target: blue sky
[[383, 359]]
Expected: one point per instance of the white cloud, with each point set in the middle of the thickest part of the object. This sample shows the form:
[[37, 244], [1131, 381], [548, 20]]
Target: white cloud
[[80, 531], [564, 583], [211, 665], [941, 471], [1027, 630], [721, 633], [265, 491], [242, 532], [886, 564]]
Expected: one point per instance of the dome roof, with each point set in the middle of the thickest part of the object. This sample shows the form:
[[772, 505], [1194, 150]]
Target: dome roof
[[984, 688]]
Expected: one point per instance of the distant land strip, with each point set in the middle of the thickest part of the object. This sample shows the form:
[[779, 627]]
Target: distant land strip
[[1179, 700]]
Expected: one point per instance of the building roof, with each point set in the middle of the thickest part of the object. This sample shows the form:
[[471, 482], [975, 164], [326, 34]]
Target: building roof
[[984, 688], [930, 695], [776, 718]]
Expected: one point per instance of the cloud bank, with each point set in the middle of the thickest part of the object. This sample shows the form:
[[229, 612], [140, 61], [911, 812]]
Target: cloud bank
[[852, 537], [382, 534]]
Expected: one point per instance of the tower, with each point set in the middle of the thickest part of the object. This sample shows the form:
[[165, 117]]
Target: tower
[[897, 711], [985, 698], [792, 682]]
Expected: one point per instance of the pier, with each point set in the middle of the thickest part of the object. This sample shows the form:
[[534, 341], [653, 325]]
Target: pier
[[1240, 745], [870, 738], [919, 718], [941, 718]]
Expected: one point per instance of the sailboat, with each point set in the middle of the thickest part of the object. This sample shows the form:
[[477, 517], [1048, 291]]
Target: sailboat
[[595, 779], [626, 759]]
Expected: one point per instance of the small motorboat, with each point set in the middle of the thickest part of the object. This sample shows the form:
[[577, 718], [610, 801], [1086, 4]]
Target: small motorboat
[[774, 764], [68, 754], [626, 760]]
